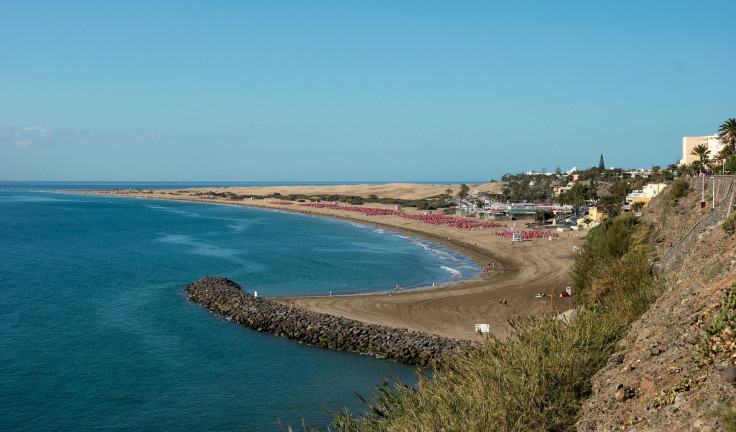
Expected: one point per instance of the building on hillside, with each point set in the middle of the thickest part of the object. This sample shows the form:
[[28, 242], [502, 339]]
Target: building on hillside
[[534, 173], [645, 194], [594, 214], [641, 172], [564, 189], [689, 143]]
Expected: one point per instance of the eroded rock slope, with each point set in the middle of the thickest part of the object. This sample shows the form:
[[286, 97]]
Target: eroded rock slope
[[662, 379]]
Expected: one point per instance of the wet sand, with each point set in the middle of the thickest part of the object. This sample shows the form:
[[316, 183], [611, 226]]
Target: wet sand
[[520, 270]]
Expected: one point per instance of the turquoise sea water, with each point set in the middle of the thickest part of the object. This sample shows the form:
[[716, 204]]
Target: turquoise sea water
[[96, 333]]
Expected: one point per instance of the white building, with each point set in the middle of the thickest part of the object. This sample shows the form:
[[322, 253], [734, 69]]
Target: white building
[[689, 143], [646, 194]]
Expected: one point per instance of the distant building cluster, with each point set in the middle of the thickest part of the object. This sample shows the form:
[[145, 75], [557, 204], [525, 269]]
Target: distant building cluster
[[562, 216], [592, 211]]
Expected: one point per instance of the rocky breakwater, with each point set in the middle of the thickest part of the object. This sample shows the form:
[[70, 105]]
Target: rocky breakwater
[[226, 299]]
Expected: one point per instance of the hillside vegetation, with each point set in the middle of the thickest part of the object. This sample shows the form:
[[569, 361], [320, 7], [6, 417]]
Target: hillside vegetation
[[675, 367], [538, 377]]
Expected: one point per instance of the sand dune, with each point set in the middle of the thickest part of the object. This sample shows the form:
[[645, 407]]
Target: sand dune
[[390, 190]]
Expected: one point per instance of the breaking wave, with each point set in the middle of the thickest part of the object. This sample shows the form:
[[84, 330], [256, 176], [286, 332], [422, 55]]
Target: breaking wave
[[455, 274]]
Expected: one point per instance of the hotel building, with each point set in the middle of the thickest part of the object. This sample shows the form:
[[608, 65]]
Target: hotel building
[[689, 143]]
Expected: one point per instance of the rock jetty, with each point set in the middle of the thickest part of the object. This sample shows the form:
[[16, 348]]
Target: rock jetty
[[226, 299]]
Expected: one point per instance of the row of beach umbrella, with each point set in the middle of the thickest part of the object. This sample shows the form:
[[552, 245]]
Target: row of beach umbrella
[[450, 221], [527, 234]]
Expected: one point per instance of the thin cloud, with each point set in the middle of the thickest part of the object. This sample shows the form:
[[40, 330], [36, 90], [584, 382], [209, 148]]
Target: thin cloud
[[24, 137], [41, 131]]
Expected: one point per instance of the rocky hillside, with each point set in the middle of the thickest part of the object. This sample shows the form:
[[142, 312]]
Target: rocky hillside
[[667, 376]]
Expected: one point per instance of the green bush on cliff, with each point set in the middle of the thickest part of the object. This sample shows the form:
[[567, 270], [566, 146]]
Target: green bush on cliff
[[612, 262], [678, 189], [729, 225], [538, 377]]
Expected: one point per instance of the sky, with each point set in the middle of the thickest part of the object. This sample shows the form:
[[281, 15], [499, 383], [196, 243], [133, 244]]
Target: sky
[[375, 91]]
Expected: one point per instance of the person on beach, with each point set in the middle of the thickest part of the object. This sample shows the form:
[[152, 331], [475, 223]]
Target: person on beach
[[330, 293]]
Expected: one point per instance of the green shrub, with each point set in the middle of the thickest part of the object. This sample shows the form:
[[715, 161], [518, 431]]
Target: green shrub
[[729, 225], [618, 278], [607, 243], [678, 189]]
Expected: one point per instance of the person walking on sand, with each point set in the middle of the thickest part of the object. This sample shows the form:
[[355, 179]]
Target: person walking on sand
[[330, 293]]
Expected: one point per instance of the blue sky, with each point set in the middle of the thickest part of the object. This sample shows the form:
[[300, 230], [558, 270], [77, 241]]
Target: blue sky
[[355, 90]]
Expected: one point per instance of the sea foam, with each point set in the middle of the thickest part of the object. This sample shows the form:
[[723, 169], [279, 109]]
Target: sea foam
[[456, 275]]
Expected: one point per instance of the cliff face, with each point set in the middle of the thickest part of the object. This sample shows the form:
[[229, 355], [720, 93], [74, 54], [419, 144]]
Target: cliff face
[[660, 379]]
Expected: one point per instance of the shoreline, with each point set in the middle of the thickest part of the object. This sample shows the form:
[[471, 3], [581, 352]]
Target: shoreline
[[519, 272]]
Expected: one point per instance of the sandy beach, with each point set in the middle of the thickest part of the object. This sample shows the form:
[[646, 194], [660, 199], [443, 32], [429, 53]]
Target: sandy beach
[[519, 270]]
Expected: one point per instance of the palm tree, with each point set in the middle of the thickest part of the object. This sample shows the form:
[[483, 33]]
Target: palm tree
[[727, 134], [702, 152]]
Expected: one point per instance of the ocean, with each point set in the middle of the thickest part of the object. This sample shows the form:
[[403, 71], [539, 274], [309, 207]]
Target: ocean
[[96, 332]]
